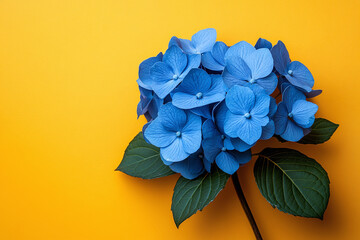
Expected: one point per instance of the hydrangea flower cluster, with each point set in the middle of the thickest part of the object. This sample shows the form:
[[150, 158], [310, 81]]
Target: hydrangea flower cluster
[[207, 103]]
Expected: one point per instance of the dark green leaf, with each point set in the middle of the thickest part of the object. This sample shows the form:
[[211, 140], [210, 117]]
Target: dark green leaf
[[292, 182], [193, 195], [321, 131], [142, 160]]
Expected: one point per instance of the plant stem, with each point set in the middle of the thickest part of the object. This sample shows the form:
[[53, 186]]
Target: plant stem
[[245, 206]]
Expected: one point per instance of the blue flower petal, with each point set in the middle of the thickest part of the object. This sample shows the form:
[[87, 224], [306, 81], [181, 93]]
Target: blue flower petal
[[144, 71], [269, 83], [209, 62], [193, 62], [303, 112], [162, 90], [161, 73], [228, 144], [176, 59], [281, 118], [300, 76], [219, 115], [261, 107], [238, 68], [263, 43], [218, 52], [307, 125], [212, 147], [167, 163], [239, 50], [158, 135], [209, 130], [291, 95], [273, 107], [250, 131], [217, 85], [240, 145], [144, 128], [197, 80], [231, 80], [240, 100], [292, 132], [184, 44], [172, 118], [233, 123], [207, 165], [146, 97], [268, 131], [281, 57], [307, 130], [313, 93], [154, 106], [260, 120], [199, 89], [204, 111], [190, 168], [191, 133], [143, 85], [241, 157], [227, 163], [260, 63], [204, 40], [174, 152], [256, 88]]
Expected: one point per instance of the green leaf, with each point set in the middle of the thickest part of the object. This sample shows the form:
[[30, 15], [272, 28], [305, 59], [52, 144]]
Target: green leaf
[[142, 160], [321, 131], [193, 195], [292, 182]]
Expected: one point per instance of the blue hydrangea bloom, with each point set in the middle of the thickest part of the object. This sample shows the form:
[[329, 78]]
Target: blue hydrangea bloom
[[208, 104], [199, 89], [248, 113], [263, 43], [295, 72], [215, 59], [228, 160], [202, 41], [245, 65], [177, 133], [166, 75], [294, 115], [144, 79]]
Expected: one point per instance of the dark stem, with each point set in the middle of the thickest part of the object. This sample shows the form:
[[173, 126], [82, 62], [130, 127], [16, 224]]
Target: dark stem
[[245, 206]]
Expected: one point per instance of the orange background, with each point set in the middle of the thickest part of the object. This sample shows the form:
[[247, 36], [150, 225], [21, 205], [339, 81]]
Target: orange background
[[68, 101]]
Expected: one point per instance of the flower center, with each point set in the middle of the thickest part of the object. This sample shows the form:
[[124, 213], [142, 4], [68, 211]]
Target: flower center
[[222, 137], [178, 134], [252, 81], [290, 72], [201, 156], [223, 149], [247, 115], [290, 115], [175, 77], [199, 95]]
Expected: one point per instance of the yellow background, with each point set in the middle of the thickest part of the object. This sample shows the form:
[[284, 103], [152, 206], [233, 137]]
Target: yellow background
[[68, 101]]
